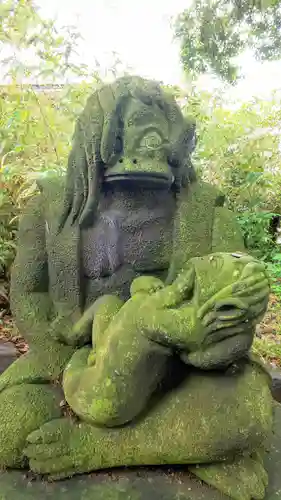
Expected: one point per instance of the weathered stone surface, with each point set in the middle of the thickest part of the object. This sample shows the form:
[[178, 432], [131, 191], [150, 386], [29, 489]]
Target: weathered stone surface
[[138, 484], [8, 354]]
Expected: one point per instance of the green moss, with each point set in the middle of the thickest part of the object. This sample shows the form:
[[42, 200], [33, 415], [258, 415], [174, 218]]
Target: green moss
[[134, 343]]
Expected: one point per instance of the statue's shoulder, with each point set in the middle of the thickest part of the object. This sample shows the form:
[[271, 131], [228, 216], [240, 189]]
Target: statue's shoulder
[[52, 185], [52, 192]]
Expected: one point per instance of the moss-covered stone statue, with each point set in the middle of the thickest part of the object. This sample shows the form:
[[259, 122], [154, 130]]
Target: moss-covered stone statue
[[133, 289]]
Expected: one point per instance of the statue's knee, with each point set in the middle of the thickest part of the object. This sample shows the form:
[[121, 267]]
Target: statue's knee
[[23, 409], [105, 414]]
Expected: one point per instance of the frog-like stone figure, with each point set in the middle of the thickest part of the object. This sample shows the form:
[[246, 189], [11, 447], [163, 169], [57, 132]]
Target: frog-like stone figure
[[139, 305]]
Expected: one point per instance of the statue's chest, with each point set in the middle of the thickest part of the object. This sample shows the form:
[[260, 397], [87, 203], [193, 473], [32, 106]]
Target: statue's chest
[[129, 238]]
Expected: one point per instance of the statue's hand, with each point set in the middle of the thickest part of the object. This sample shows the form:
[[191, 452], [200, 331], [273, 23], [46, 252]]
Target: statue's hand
[[167, 317], [59, 449], [241, 304], [229, 319]]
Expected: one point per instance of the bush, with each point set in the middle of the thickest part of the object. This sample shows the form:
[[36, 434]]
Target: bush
[[35, 126], [239, 151]]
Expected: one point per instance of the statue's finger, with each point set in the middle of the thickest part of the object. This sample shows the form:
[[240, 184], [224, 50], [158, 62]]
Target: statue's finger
[[63, 474], [218, 331], [258, 297], [174, 294], [57, 465], [241, 288], [81, 333], [251, 289], [146, 285], [43, 452], [224, 316], [85, 322], [225, 310], [260, 470], [236, 289], [260, 307], [106, 309], [211, 303], [253, 268], [48, 433]]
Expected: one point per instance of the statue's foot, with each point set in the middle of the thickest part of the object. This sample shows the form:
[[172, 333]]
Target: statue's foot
[[61, 448], [24, 408], [244, 479]]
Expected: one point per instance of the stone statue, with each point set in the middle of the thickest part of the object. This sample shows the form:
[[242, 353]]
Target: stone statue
[[133, 289]]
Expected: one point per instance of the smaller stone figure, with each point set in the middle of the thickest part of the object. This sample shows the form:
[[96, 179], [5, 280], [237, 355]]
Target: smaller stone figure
[[111, 383]]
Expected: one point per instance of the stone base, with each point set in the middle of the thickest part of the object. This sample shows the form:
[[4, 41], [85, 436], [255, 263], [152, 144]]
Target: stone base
[[135, 484]]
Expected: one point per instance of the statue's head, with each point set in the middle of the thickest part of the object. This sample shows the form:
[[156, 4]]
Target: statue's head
[[130, 134]]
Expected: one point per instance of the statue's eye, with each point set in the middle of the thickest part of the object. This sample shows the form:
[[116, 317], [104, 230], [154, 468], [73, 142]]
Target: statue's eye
[[151, 141]]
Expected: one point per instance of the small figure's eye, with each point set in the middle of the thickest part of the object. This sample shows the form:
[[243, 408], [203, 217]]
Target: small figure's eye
[[151, 141]]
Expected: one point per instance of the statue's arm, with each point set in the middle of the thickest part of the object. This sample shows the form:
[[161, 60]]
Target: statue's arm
[[226, 235], [30, 300]]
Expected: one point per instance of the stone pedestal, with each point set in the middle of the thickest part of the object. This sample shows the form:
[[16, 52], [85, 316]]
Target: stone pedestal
[[136, 484]]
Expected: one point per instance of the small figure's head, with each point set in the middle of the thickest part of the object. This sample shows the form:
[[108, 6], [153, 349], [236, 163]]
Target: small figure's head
[[216, 271], [132, 135]]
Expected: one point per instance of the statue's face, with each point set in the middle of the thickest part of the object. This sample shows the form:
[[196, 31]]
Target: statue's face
[[218, 270], [142, 152]]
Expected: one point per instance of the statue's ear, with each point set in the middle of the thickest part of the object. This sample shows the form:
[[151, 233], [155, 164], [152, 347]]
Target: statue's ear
[[111, 130], [101, 133], [85, 165]]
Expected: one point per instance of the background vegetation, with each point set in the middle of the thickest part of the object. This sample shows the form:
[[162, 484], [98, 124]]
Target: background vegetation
[[238, 147]]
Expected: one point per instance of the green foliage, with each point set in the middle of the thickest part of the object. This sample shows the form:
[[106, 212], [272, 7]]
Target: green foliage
[[213, 32], [274, 269], [239, 150], [35, 126], [258, 239]]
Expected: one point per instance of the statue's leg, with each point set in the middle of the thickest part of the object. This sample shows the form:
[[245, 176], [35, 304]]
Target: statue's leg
[[112, 384], [210, 418], [119, 385], [28, 399], [23, 409]]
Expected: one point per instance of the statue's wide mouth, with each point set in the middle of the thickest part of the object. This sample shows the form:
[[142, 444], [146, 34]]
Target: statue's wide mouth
[[151, 179]]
